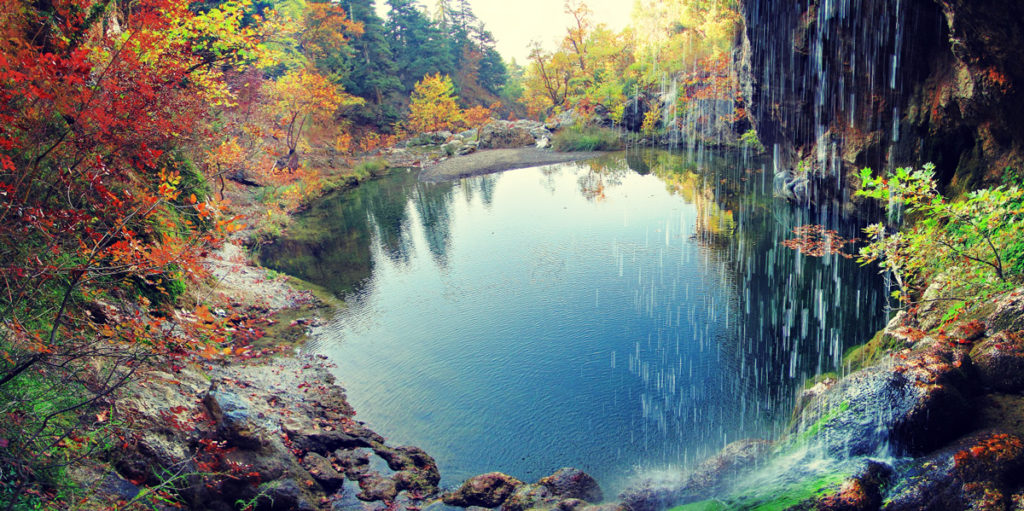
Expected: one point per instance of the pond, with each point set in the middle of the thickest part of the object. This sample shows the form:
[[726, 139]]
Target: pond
[[622, 315]]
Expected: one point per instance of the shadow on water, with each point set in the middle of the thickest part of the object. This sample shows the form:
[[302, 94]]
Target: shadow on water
[[623, 314], [330, 244]]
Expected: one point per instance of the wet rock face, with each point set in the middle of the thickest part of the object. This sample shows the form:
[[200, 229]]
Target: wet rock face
[[912, 405], [568, 489], [855, 84], [981, 471], [862, 492], [705, 481], [635, 112]]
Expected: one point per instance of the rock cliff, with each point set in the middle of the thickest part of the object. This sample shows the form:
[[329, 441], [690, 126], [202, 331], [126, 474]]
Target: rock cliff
[[839, 85]]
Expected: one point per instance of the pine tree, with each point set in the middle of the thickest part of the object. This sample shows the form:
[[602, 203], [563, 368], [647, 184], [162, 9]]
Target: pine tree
[[372, 73], [419, 46]]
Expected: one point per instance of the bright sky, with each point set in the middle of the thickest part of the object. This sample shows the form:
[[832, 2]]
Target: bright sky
[[515, 23]]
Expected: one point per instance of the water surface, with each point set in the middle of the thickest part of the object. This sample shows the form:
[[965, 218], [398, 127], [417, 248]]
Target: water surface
[[621, 315]]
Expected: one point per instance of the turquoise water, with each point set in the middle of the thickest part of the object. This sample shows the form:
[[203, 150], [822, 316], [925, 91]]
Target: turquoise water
[[620, 316]]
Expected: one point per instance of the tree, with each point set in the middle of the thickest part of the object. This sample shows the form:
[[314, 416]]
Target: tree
[[102, 219], [433, 105], [419, 47], [303, 96], [548, 79], [373, 74], [576, 37]]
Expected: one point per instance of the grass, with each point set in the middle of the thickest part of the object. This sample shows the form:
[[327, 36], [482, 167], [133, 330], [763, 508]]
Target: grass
[[588, 138], [369, 168]]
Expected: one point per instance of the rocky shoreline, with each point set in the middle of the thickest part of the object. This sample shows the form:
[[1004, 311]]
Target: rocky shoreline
[[928, 416], [270, 430]]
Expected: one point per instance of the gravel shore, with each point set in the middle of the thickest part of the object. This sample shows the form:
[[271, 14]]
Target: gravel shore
[[497, 160]]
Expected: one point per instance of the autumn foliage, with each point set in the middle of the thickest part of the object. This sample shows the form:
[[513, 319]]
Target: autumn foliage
[[434, 106], [103, 217]]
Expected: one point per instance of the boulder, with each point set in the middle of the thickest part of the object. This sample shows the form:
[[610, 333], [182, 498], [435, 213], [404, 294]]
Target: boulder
[[282, 495], [235, 420], [355, 463], [415, 469], [503, 134], [324, 441], [154, 449], [707, 479], [377, 487], [911, 405], [452, 148], [862, 492], [322, 471], [429, 138], [999, 362], [562, 120], [531, 496], [635, 111], [602, 117], [1009, 313], [792, 186], [977, 472], [486, 490], [572, 483]]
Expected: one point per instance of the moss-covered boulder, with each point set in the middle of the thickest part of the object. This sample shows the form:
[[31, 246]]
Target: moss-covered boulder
[[913, 403]]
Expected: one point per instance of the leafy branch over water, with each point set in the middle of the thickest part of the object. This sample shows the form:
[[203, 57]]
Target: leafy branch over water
[[975, 244]]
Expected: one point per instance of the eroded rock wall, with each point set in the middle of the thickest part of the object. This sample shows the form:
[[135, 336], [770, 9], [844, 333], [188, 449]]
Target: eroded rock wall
[[842, 84]]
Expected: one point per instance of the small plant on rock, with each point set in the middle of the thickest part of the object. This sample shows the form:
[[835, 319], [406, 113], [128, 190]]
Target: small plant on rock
[[976, 243]]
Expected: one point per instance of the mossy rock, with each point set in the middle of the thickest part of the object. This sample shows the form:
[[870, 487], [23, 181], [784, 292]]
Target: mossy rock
[[704, 505], [797, 495], [864, 355]]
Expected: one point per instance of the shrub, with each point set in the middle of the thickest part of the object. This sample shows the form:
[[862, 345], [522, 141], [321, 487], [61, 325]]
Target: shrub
[[370, 168], [587, 138], [749, 140], [977, 242]]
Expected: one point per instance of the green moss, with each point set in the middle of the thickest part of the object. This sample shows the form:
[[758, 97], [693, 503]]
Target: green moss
[[870, 352], [704, 505], [751, 141], [799, 495], [831, 375], [831, 414]]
